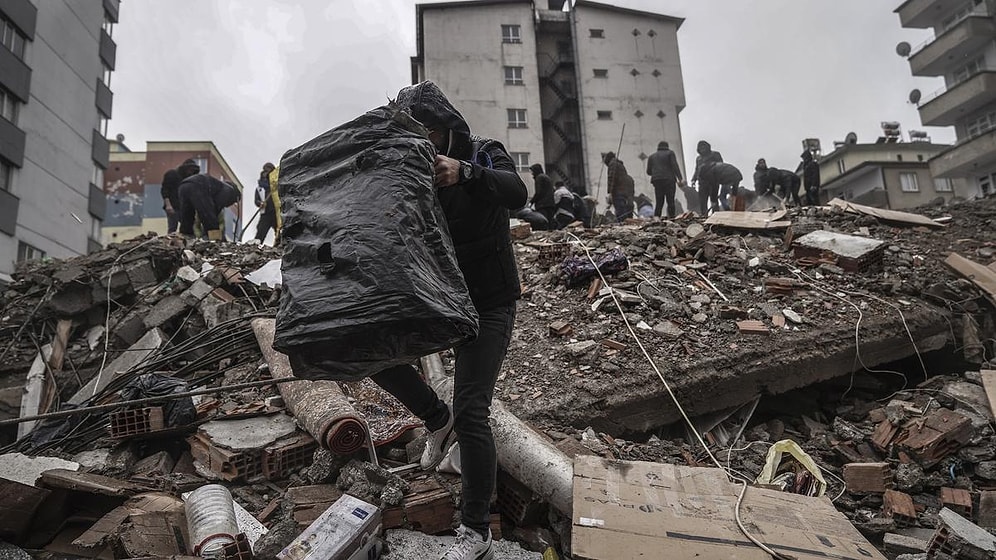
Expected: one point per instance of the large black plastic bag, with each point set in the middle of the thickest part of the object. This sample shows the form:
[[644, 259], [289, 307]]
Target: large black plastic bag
[[370, 277]]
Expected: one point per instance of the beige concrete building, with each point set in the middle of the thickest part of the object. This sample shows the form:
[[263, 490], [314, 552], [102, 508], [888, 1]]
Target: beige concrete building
[[558, 85], [888, 175], [963, 52]]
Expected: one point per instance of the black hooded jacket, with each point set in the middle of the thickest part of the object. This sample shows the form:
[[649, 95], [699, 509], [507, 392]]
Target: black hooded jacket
[[784, 178], [810, 171], [477, 209], [705, 158], [720, 174]]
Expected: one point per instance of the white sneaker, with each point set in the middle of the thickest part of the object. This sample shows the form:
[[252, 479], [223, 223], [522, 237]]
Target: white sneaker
[[469, 545], [438, 443]]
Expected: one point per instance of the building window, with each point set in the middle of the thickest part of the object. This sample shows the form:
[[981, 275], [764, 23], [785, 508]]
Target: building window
[[605, 115], [108, 25], [105, 76], [841, 167], [6, 175], [517, 118], [919, 157], [8, 106], [943, 185], [102, 126], [97, 178], [11, 38], [969, 70], [513, 75], [597, 33], [202, 163], [510, 34], [981, 124], [26, 252], [899, 157], [908, 183], [601, 72], [521, 160]]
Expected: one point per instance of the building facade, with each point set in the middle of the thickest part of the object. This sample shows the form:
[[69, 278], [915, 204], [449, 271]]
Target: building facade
[[56, 61], [557, 86], [888, 175], [133, 182], [963, 52]]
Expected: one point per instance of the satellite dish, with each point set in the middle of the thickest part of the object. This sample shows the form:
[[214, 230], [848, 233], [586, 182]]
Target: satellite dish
[[851, 138], [120, 138], [915, 96], [904, 49]]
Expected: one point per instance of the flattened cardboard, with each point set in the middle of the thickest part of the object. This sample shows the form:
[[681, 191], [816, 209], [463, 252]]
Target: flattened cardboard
[[630, 509]]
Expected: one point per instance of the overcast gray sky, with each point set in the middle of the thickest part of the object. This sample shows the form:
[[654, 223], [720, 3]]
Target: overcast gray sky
[[261, 76]]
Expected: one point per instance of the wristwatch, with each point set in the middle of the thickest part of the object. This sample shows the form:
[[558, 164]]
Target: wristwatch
[[466, 171]]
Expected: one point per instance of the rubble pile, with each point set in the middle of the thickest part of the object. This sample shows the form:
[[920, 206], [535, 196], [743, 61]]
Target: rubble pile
[[146, 372]]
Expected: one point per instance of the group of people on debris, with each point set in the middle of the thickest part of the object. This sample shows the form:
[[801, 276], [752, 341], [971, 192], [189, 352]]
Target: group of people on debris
[[194, 202], [554, 205]]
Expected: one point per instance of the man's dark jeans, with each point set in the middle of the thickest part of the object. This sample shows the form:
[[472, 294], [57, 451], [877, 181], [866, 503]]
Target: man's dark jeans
[[708, 192], [623, 205], [477, 367], [172, 221], [664, 189]]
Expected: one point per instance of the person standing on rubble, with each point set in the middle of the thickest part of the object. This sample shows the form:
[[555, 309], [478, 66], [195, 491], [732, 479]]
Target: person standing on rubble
[[203, 197], [811, 178], [662, 166], [267, 200], [170, 191], [477, 185], [621, 187], [787, 182], [543, 200], [707, 190], [762, 186], [725, 176]]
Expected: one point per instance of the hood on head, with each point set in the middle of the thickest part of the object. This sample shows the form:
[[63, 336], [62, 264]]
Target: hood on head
[[807, 156], [429, 105], [703, 147], [761, 165], [536, 168], [663, 146]]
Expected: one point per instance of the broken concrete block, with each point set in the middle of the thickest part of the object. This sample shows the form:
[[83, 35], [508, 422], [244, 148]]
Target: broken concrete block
[[132, 327], [188, 274], [669, 329], [853, 254], [141, 274], [579, 349], [136, 354], [414, 545], [196, 292], [371, 483], [960, 538], [88, 482], [168, 308], [27, 470], [18, 504], [957, 500], [216, 311], [900, 544], [899, 506]]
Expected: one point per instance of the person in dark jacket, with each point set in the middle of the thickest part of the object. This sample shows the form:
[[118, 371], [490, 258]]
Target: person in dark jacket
[[811, 178], [543, 201], [662, 166], [265, 199], [726, 176], [564, 199], [203, 197], [762, 186], [785, 181], [621, 187], [170, 191], [477, 185], [707, 190]]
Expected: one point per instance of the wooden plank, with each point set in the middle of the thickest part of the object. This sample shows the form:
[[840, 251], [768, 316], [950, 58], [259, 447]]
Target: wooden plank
[[981, 276], [62, 330], [749, 220], [989, 384], [34, 391], [752, 327], [88, 482], [893, 216]]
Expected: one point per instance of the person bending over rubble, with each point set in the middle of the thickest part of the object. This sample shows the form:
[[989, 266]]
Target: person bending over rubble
[[203, 197], [725, 176], [786, 182], [476, 185]]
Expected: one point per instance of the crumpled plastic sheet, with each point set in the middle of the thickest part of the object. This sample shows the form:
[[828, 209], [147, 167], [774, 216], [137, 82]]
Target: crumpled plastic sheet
[[578, 268]]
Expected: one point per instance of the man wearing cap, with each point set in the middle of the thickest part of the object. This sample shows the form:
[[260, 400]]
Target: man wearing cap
[[203, 197]]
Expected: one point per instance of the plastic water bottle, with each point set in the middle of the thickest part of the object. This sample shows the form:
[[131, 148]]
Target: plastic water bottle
[[211, 520]]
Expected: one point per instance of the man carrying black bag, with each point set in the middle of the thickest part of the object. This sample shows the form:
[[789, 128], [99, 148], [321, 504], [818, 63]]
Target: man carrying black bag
[[476, 185]]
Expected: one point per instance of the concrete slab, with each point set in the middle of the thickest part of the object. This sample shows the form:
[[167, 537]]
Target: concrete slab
[[843, 245], [410, 545], [26, 470], [249, 433], [133, 356]]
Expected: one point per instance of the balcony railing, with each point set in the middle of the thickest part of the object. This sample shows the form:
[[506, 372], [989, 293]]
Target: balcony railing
[[984, 68], [982, 10]]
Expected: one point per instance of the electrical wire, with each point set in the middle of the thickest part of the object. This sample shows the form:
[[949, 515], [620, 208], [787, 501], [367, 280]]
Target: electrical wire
[[735, 477]]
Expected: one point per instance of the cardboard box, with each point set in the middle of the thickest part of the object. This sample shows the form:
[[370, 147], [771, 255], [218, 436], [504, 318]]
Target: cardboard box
[[347, 527], [630, 509]]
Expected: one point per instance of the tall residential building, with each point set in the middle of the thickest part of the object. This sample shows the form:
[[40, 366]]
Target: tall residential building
[[133, 184], [558, 86], [963, 52], [56, 61]]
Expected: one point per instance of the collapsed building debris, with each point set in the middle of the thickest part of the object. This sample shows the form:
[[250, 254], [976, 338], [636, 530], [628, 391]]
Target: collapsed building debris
[[82, 341]]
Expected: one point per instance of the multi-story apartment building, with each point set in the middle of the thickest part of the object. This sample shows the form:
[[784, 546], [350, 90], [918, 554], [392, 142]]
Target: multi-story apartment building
[[888, 175], [558, 86], [962, 50], [56, 60], [133, 184]]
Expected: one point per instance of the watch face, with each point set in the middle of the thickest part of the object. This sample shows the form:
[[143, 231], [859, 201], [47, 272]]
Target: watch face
[[466, 170]]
